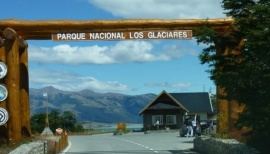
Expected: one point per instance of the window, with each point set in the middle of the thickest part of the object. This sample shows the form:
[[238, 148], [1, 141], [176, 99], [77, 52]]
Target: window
[[157, 118], [170, 119]]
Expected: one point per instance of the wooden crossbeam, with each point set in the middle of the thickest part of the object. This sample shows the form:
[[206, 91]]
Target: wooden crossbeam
[[42, 29]]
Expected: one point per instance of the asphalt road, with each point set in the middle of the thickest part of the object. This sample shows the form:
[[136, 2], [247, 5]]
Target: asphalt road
[[132, 143]]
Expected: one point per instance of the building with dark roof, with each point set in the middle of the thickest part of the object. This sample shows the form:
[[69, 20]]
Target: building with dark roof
[[167, 109]]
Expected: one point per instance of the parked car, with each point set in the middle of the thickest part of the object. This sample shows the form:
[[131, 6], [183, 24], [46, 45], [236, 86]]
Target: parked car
[[213, 125], [208, 126], [183, 130], [205, 127]]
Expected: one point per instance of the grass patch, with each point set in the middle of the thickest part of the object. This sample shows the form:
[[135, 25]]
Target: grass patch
[[234, 134], [5, 148]]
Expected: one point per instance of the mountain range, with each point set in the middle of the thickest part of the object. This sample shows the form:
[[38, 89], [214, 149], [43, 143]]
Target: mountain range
[[88, 105]]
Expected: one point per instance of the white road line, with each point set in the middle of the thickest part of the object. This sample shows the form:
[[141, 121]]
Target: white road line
[[70, 144], [67, 148], [138, 144]]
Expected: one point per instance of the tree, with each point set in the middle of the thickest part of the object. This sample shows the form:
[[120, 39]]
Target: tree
[[69, 121], [55, 120], [243, 71], [37, 122], [66, 121]]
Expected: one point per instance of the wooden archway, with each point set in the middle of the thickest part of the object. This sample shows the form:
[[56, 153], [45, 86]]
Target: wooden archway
[[14, 52]]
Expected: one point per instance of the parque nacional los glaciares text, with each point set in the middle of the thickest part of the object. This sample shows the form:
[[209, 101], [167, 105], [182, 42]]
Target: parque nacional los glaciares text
[[176, 34]]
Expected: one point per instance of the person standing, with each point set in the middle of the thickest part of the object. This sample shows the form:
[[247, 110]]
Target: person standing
[[189, 128], [194, 125]]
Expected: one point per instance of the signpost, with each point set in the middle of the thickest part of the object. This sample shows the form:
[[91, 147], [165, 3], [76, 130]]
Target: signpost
[[134, 35], [47, 131], [3, 116], [45, 95]]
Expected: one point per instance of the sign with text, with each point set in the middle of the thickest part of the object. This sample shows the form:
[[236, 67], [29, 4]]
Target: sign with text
[[175, 34]]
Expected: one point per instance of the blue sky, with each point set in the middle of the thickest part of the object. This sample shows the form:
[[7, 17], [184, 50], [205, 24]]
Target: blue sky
[[130, 67]]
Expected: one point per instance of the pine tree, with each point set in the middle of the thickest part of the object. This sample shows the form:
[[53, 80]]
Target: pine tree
[[245, 74]]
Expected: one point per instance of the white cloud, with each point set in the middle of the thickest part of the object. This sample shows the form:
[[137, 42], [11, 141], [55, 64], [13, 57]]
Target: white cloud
[[73, 82], [176, 50], [162, 9], [121, 52], [170, 85]]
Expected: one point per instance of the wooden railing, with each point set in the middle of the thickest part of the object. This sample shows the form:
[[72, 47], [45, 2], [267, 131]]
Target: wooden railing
[[61, 144]]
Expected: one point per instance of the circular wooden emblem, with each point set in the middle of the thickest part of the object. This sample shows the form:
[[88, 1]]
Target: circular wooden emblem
[[3, 116], [3, 70], [3, 93]]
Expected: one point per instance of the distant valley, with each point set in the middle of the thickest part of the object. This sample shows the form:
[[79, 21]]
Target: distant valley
[[89, 106]]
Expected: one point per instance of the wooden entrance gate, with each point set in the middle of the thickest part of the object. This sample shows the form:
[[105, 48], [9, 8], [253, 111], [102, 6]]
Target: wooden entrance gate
[[14, 52]]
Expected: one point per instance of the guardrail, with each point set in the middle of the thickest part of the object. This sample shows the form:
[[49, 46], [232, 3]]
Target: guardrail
[[61, 144]]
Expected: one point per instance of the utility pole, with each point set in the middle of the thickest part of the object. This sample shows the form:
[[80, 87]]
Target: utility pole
[[46, 131], [47, 118]]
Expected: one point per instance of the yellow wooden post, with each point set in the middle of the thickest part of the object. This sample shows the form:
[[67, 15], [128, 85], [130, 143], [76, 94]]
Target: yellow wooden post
[[63, 140], [56, 147], [66, 140], [60, 144]]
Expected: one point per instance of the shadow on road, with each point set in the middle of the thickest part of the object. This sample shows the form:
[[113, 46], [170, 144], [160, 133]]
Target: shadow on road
[[191, 151], [187, 141], [136, 152]]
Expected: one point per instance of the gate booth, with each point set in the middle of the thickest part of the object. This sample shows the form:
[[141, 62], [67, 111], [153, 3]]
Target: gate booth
[[14, 53]]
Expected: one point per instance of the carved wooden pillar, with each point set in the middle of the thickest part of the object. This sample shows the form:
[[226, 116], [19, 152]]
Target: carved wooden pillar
[[13, 86], [222, 110], [14, 53], [24, 88], [222, 104], [228, 111], [234, 108]]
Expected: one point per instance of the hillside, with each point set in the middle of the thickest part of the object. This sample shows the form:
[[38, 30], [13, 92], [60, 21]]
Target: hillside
[[88, 105]]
